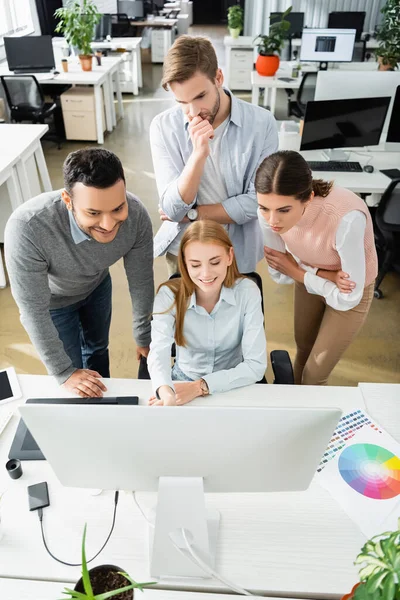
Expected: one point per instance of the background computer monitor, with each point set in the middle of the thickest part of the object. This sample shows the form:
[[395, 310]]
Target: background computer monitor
[[343, 123], [133, 8], [180, 453], [296, 20], [393, 135], [29, 53], [103, 28], [323, 45], [347, 20]]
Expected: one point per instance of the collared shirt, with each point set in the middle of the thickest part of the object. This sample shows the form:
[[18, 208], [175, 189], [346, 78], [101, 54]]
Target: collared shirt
[[251, 136], [225, 356], [77, 234]]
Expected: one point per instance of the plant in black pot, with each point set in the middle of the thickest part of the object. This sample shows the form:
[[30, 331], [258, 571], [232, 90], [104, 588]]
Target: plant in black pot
[[103, 582], [269, 46]]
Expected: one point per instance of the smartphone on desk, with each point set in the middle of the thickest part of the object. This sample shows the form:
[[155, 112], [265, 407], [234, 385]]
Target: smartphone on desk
[[38, 496]]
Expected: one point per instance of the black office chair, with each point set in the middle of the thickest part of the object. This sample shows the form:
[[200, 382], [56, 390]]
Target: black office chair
[[26, 102], [121, 25], [280, 359], [305, 93], [387, 233]]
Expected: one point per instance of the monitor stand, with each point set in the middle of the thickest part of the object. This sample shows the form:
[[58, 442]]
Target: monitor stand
[[336, 155], [180, 504]]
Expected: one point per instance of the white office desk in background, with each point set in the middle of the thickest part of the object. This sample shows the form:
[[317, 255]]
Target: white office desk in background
[[23, 170], [101, 78], [132, 80], [283, 544]]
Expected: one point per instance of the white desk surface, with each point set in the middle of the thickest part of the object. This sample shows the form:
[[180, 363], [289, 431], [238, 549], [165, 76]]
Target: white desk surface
[[279, 544], [15, 138], [25, 589], [75, 74], [157, 22], [128, 43]]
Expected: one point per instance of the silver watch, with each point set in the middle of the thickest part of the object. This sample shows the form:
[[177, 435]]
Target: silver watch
[[192, 214]]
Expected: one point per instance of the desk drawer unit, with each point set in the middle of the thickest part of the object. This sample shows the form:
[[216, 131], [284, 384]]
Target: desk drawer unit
[[240, 68], [79, 113]]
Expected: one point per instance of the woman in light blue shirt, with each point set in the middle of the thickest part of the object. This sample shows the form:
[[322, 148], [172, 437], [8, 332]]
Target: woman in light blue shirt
[[214, 316]]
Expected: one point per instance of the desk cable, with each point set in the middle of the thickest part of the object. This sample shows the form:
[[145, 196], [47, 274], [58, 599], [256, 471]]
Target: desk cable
[[195, 558], [40, 513]]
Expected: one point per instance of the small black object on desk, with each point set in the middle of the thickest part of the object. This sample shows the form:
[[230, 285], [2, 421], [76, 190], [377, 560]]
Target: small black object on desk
[[14, 468], [368, 168]]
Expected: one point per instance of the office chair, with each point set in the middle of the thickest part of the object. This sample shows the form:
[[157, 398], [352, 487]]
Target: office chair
[[280, 359], [387, 233], [121, 25], [26, 102], [305, 93]]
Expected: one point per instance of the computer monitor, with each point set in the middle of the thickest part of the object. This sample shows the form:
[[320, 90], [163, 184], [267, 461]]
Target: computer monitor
[[182, 453], [133, 8], [103, 28], [296, 20], [343, 123], [323, 45], [29, 54], [347, 20], [393, 135]]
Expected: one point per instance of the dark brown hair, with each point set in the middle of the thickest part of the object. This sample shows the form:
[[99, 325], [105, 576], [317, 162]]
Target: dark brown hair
[[187, 56], [286, 173], [206, 232], [94, 167]]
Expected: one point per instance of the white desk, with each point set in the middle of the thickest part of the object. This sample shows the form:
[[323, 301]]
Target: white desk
[[361, 183], [99, 77], [27, 589], [21, 157], [133, 79], [286, 544]]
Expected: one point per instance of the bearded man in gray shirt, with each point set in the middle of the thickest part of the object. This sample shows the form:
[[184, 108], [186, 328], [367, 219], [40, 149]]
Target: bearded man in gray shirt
[[59, 247]]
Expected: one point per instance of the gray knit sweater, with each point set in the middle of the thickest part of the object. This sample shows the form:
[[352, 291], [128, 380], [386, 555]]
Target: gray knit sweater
[[48, 269]]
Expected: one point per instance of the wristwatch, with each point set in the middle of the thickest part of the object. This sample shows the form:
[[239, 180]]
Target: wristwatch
[[193, 214], [204, 387]]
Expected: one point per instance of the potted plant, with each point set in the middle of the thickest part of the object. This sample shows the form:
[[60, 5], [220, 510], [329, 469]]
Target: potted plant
[[380, 568], [77, 22], [269, 46], [103, 582], [235, 20], [388, 53]]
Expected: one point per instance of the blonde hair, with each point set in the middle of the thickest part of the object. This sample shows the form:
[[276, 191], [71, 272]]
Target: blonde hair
[[187, 56], [206, 232]]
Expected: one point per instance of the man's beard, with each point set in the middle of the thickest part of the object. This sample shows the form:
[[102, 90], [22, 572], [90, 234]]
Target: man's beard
[[214, 111]]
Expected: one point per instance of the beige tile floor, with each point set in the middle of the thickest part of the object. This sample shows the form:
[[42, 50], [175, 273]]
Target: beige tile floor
[[374, 356]]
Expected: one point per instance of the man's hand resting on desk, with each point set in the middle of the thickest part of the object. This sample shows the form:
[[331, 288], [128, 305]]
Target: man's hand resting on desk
[[85, 383]]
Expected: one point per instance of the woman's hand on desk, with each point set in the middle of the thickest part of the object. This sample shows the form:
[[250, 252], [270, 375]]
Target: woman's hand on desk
[[285, 263], [185, 391]]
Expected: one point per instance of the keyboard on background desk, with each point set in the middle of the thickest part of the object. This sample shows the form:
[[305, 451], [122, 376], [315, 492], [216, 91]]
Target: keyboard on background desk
[[333, 165]]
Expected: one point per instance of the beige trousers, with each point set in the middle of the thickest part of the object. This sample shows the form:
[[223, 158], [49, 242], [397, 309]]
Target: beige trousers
[[323, 334], [172, 263]]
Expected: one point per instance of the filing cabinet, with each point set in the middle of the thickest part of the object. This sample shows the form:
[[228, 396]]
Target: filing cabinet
[[79, 113]]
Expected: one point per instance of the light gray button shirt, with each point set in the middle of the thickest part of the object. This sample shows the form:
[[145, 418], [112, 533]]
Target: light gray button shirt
[[226, 357], [249, 137]]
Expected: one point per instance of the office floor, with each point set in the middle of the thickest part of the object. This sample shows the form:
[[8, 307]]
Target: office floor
[[373, 357]]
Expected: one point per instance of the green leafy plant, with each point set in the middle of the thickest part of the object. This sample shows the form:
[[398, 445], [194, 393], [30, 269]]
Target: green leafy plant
[[77, 22], [380, 568], [273, 42], [388, 34], [87, 586], [235, 17]]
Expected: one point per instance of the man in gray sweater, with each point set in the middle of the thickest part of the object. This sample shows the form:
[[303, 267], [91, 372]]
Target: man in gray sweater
[[59, 247]]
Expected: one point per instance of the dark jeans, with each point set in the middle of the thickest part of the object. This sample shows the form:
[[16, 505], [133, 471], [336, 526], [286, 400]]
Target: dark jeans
[[84, 328]]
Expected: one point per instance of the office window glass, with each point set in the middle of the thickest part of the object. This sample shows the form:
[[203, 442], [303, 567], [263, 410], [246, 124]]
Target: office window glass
[[15, 18]]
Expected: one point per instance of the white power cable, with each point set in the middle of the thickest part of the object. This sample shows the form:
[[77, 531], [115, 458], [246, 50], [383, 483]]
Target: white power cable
[[195, 558]]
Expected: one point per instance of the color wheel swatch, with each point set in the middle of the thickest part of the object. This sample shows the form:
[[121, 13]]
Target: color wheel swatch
[[371, 470]]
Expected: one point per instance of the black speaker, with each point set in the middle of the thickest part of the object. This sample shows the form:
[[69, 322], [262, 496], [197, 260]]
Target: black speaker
[[394, 125], [45, 10]]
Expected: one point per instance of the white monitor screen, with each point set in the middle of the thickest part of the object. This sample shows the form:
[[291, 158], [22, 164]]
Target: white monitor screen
[[333, 45]]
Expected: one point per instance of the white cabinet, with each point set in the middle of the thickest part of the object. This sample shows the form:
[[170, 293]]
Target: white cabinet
[[79, 114], [161, 42], [239, 58]]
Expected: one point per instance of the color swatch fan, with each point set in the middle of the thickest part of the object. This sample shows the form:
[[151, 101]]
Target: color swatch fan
[[364, 479], [371, 470]]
